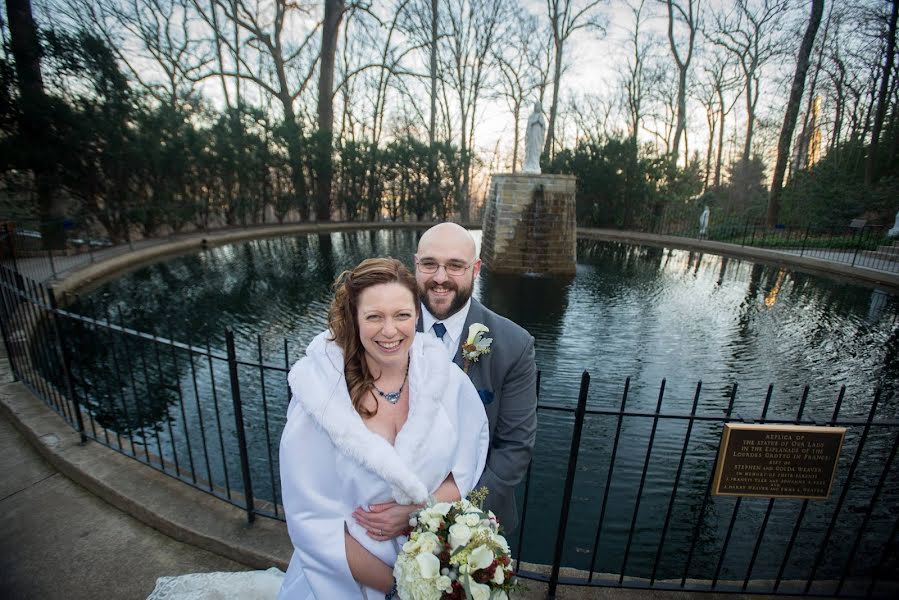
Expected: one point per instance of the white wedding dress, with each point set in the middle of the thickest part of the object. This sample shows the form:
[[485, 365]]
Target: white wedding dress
[[332, 463], [245, 585]]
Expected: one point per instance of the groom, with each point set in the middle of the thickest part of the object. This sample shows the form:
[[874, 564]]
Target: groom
[[506, 377]]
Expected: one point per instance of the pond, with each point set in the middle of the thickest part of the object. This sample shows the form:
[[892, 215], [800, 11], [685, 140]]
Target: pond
[[631, 312]]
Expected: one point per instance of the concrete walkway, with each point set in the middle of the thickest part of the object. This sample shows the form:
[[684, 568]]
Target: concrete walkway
[[58, 540]]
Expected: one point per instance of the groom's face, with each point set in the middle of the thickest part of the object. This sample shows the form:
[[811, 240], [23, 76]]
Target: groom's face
[[444, 293]]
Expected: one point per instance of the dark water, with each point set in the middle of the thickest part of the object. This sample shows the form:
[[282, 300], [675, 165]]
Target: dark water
[[630, 312]]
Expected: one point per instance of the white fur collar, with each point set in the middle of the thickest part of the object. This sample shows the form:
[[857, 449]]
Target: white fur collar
[[318, 383]]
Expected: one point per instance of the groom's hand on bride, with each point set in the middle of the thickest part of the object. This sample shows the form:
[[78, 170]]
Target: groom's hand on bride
[[385, 521]]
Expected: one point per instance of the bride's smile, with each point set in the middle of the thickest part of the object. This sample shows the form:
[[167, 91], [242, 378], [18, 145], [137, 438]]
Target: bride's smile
[[386, 317]]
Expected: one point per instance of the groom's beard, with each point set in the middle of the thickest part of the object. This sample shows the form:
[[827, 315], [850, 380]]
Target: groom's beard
[[460, 297]]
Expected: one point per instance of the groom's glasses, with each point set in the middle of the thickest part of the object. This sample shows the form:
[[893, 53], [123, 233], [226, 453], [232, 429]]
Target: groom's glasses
[[453, 267]]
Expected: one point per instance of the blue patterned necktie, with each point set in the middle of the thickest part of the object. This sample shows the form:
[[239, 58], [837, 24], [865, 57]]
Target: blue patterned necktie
[[439, 329]]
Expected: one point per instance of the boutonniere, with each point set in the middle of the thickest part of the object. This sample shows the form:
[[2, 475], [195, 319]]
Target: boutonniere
[[476, 344]]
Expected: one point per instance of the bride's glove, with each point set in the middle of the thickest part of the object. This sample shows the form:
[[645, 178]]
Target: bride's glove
[[385, 521]]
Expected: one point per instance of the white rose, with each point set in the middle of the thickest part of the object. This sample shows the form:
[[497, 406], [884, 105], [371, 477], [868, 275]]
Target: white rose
[[444, 583], [428, 542], [480, 558], [502, 543], [479, 591], [441, 508], [499, 576], [428, 565], [459, 535], [469, 519], [434, 523], [499, 595]]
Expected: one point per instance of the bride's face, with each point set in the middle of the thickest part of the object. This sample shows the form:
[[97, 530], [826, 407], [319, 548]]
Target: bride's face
[[386, 318]]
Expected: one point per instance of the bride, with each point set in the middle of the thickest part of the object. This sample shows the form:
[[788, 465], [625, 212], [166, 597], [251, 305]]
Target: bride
[[378, 416], [379, 423]]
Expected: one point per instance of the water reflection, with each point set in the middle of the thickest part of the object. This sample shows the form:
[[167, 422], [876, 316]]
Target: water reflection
[[646, 314]]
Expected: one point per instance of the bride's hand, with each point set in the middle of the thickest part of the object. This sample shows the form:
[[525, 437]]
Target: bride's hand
[[385, 521]]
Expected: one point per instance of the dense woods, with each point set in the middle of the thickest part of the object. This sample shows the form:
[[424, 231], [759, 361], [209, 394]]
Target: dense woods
[[139, 117]]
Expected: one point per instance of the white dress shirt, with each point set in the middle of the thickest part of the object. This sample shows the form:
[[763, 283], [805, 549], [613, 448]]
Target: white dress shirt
[[454, 325]]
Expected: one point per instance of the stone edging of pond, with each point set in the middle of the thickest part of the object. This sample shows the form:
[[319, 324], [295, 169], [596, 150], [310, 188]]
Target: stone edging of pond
[[107, 267], [110, 266], [815, 266]]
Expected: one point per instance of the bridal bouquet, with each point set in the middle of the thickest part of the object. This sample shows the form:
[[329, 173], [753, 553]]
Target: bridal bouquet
[[455, 552]]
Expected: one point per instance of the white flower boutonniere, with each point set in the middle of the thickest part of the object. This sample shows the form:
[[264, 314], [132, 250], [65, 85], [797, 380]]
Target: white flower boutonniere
[[476, 345]]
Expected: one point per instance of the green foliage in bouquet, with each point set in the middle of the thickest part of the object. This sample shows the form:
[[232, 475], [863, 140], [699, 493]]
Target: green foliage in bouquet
[[456, 551]]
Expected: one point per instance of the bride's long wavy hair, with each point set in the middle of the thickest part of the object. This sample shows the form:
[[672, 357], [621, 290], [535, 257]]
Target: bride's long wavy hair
[[343, 319]]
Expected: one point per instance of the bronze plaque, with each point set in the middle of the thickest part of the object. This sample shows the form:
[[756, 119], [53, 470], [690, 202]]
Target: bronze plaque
[[777, 461]]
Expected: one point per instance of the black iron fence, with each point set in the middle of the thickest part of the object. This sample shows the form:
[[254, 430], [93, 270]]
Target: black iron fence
[[857, 243], [631, 507]]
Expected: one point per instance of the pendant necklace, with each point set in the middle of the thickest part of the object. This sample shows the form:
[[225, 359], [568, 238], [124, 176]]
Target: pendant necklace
[[393, 397]]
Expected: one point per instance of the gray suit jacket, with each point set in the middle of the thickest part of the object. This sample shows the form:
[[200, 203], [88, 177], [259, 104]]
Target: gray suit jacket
[[506, 380]]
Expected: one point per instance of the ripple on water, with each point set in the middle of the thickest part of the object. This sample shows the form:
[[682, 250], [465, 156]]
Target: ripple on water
[[633, 312]]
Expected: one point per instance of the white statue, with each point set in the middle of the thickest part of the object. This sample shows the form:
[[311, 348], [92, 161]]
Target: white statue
[[704, 223], [895, 230], [533, 140]]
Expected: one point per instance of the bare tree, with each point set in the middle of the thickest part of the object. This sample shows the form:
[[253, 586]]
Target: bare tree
[[686, 12], [789, 123], [265, 34], [806, 140], [156, 41], [472, 28], [330, 29], [883, 95], [635, 77], [33, 125], [565, 17], [748, 33], [718, 84], [517, 80]]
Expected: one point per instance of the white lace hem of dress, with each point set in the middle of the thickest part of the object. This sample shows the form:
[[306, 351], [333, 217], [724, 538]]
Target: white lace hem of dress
[[246, 585]]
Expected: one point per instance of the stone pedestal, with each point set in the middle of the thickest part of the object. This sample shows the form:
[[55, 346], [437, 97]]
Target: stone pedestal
[[530, 224]]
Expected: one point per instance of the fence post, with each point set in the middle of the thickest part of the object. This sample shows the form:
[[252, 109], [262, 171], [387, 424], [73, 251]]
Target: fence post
[[858, 245], [5, 314], [569, 483], [238, 424], [52, 264], [804, 241], [12, 246], [66, 366]]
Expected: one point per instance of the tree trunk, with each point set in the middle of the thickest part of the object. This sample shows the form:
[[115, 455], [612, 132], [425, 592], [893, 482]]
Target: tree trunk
[[433, 187], [516, 115], [871, 163], [551, 126], [34, 124], [330, 28], [682, 67], [720, 150], [750, 120], [789, 124]]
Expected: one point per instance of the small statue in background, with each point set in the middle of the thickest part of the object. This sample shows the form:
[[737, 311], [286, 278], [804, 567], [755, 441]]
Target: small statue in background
[[533, 141], [895, 230], [704, 223]]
